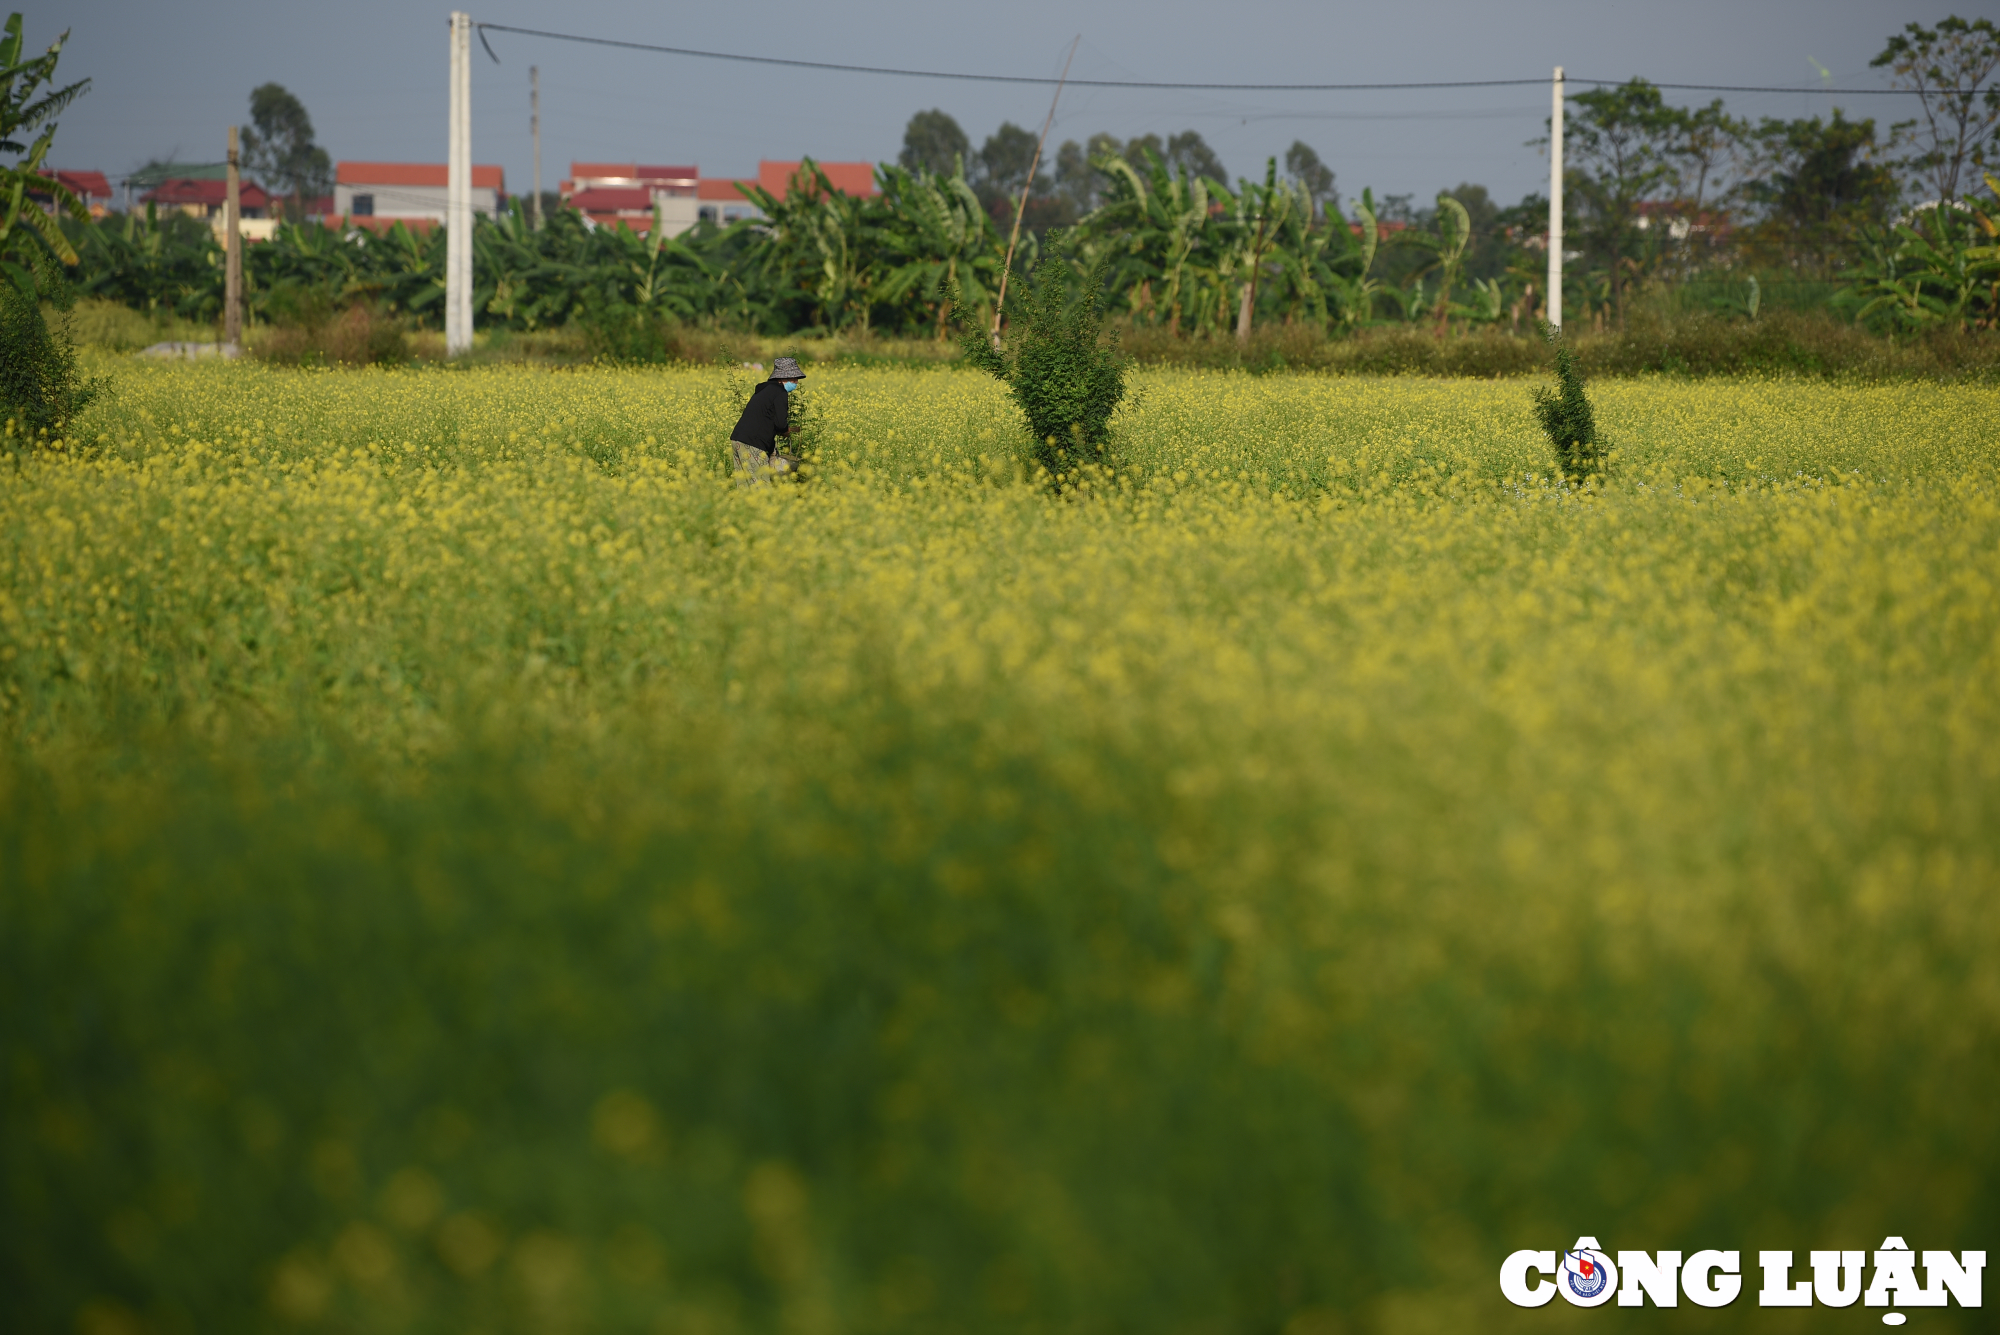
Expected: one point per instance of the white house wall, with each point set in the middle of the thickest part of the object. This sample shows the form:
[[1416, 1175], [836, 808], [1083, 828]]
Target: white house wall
[[410, 201]]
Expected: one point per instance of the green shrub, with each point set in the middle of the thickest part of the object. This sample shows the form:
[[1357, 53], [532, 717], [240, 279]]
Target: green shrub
[[41, 388], [1067, 380], [1567, 417]]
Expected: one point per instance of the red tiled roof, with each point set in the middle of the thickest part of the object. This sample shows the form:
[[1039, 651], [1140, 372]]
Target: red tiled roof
[[608, 199], [722, 188], [214, 193], [849, 178], [436, 174], [86, 185], [631, 171]]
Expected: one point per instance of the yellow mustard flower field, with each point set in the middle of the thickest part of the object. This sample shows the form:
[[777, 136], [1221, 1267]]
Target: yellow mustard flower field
[[467, 865]]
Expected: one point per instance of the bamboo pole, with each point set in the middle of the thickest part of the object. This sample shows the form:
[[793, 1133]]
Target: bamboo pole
[[1021, 208]]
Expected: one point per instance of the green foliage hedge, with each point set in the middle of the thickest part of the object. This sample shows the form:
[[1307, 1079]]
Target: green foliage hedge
[[1680, 344]]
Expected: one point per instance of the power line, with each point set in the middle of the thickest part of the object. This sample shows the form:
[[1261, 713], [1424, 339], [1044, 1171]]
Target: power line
[[484, 28], [1751, 88], [987, 78]]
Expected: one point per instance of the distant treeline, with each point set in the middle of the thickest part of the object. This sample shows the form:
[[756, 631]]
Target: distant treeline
[[1894, 229]]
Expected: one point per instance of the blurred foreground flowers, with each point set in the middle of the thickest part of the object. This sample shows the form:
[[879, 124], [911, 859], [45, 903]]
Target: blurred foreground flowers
[[467, 866]]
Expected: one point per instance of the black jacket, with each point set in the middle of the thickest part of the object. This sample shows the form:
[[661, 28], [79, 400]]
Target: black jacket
[[767, 416]]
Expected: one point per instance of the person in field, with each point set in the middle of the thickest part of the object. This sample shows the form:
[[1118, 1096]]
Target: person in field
[[766, 417]]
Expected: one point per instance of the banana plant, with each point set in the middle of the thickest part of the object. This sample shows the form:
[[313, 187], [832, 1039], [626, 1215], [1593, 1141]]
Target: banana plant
[[1354, 293], [1454, 235], [1447, 248], [938, 240], [1411, 301], [1940, 274], [529, 277], [1258, 215], [161, 265], [1151, 233], [655, 272], [1487, 307], [1747, 304], [820, 239], [411, 267], [303, 262], [21, 114], [1299, 255]]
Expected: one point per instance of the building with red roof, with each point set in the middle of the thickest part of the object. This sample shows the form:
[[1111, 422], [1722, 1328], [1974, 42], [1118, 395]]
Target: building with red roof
[[91, 188], [849, 178], [409, 191], [720, 201], [631, 194], [610, 193], [205, 199]]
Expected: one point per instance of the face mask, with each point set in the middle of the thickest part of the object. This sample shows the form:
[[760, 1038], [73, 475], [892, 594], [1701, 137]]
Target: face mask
[[791, 386]]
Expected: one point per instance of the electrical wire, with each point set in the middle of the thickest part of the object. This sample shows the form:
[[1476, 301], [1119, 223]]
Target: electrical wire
[[484, 28]]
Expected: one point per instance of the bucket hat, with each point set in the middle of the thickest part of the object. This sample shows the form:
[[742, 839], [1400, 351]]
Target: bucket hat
[[786, 368]]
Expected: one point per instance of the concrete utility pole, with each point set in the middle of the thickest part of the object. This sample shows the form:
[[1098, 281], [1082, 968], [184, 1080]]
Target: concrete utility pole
[[458, 195], [232, 250], [1556, 202], [535, 133]]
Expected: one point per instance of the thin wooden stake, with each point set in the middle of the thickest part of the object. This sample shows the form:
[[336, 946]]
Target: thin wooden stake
[[1027, 185]]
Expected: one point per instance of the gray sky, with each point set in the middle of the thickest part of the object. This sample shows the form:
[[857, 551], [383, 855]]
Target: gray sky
[[171, 75]]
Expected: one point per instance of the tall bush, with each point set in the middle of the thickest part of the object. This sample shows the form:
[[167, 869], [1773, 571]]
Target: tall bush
[[41, 389], [1067, 378], [1566, 416]]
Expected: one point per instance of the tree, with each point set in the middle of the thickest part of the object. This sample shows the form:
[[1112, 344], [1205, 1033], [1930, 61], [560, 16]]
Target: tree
[[1140, 149], [934, 143], [279, 148], [1079, 178], [1948, 67], [1004, 162], [1708, 142], [1818, 182], [1621, 143], [1188, 152], [1305, 168], [21, 114]]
